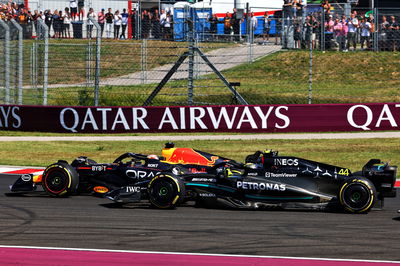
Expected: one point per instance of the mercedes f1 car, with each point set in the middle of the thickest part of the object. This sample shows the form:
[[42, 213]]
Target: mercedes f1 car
[[265, 180]]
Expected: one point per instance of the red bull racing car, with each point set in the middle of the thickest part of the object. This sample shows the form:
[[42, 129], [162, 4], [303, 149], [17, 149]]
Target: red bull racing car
[[265, 180]]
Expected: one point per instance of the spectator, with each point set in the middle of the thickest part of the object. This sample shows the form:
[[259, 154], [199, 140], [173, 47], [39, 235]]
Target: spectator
[[352, 24], [90, 15], [48, 19], [117, 24], [294, 9], [213, 25], [109, 23], [297, 36], [286, 9], [327, 9], [299, 8], [308, 31], [146, 17], [315, 29], [56, 24], [253, 24], [81, 9], [393, 33], [235, 22], [134, 19], [278, 31], [124, 23], [35, 17], [163, 20], [266, 27], [342, 36], [227, 24], [168, 26], [383, 34], [73, 6], [329, 32], [67, 23], [155, 24], [365, 26], [101, 20]]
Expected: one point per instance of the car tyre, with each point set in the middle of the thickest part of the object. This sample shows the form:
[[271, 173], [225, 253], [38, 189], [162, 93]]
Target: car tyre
[[166, 191], [60, 179], [357, 195]]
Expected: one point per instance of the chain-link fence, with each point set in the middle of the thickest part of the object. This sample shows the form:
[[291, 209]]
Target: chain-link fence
[[212, 68]]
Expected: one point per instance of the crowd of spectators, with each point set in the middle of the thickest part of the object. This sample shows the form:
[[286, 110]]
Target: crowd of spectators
[[320, 30], [114, 24], [330, 30]]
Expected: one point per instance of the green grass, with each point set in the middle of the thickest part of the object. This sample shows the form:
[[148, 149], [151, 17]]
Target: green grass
[[280, 78], [352, 153]]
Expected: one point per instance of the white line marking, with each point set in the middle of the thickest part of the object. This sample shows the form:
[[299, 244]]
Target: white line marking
[[357, 135], [198, 254]]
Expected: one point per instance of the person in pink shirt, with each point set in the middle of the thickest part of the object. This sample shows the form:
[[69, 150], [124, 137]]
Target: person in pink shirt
[[329, 32], [342, 35], [101, 19]]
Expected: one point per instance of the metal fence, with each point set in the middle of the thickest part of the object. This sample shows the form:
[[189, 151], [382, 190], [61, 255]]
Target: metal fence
[[208, 69]]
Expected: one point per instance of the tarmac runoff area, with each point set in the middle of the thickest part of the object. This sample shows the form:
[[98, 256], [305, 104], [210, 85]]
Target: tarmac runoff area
[[359, 135]]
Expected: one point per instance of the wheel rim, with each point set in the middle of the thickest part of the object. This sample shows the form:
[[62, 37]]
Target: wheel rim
[[357, 196], [56, 181], [163, 193]]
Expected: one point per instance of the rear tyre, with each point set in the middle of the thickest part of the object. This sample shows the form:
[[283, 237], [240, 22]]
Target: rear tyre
[[60, 179], [166, 191], [357, 195]]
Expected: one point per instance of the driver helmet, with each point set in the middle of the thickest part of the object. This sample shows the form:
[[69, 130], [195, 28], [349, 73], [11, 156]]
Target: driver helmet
[[152, 156]]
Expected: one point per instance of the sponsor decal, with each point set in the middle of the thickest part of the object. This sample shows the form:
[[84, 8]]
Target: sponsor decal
[[204, 180], [207, 195], [261, 118], [139, 174], [286, 162], [100, 189], [132, 189], [278, 175], [10, 117], [371, 117], [26, 178], [197, 171], [260, 186], [98, 168], [154, 165], [252, 174]]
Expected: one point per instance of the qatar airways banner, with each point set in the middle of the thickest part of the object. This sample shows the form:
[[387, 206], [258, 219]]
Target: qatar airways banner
[[258, 118]]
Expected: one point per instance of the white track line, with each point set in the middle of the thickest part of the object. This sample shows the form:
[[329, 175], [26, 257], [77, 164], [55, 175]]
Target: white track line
[[197, 254], [359, 135]]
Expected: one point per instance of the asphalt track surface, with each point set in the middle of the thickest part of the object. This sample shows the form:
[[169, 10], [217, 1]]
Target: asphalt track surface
[[95, 223]]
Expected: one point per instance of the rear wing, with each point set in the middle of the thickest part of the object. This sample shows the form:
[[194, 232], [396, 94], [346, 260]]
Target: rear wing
[[383, 176]]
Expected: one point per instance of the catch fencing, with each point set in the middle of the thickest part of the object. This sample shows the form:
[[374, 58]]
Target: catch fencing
[[200, 68]]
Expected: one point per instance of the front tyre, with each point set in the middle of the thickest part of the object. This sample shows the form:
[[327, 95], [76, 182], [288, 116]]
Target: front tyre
[[166, 191], [357, 195], [60, 179]]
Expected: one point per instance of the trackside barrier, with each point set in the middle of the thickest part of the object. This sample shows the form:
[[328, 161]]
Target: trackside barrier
[[6, 61], [20, 58], [229, 118]]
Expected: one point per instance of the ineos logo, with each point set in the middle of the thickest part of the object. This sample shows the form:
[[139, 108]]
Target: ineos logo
[[286, 162]]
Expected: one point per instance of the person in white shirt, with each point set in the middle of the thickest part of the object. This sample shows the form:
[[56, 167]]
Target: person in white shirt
[[352, 24], [117, 24], [73, 5], [90, 15], [365, 26], [67, 23]]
